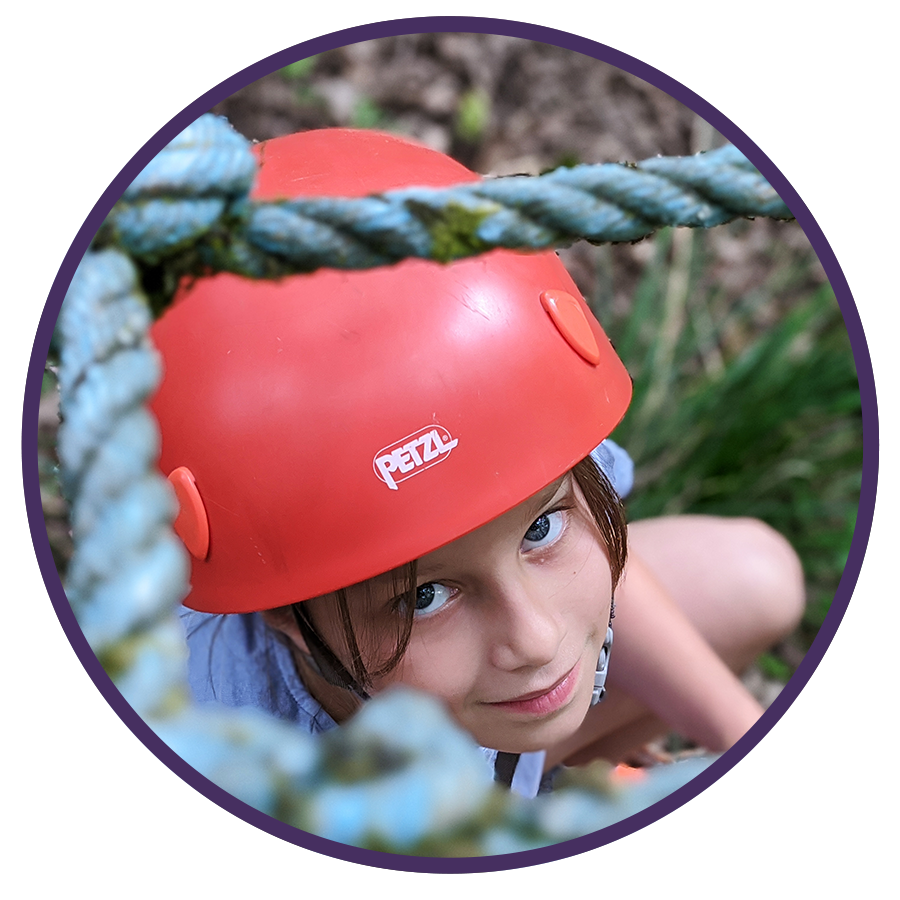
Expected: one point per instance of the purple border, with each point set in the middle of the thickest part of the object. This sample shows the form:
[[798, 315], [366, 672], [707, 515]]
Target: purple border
[[800, 96]]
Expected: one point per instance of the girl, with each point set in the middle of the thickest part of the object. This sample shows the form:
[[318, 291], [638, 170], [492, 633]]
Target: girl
[[401, 476]]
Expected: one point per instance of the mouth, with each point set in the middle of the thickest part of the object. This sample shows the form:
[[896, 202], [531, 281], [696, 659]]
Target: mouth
[[545, 701]]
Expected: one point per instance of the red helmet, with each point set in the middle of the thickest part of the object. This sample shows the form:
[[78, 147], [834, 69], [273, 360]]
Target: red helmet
[[323, 429]]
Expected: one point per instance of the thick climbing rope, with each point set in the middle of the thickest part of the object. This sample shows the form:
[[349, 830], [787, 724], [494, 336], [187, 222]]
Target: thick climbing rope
[[188, 211]]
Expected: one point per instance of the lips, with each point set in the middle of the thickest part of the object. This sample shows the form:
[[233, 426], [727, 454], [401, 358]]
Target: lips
[[535, 694], [545, 701]]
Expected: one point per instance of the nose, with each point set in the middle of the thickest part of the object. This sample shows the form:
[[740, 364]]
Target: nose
[[524, 624]]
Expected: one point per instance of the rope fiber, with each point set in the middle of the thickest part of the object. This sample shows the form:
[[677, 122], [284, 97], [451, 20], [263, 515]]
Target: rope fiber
[[188, 212]]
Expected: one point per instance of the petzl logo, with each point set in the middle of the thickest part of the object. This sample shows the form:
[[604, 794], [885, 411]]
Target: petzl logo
[[413, 454]]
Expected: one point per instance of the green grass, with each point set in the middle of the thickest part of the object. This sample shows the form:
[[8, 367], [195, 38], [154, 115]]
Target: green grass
[[301, 76], [301, 70], [473, 115], [742, 406]]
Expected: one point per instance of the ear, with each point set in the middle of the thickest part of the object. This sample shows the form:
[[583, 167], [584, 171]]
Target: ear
[[282, 620]]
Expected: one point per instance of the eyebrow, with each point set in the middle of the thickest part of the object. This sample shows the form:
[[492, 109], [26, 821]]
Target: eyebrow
[[542, 498], [535, 504]]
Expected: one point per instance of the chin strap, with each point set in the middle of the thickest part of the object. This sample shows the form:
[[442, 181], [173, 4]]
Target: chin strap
[[322, 661], [603, 663]]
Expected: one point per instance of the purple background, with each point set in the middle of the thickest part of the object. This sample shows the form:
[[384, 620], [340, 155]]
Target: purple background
[[800, 96]]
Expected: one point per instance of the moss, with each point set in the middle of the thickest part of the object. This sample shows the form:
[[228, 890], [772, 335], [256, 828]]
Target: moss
[[453, 231]]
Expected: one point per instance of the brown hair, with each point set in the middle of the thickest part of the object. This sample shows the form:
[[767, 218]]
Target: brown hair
[[608, 514]]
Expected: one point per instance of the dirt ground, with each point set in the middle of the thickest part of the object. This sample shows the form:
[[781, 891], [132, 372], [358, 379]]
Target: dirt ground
[[546, 104]]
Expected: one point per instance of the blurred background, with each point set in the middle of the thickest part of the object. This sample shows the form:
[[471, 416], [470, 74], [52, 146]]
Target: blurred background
[[746, 399]]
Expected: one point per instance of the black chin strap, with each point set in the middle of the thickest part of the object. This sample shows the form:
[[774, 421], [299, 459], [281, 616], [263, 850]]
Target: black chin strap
[[322, 661], [505, 767]]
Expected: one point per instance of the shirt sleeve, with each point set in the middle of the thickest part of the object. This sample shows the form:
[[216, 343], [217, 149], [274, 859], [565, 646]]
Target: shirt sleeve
[[236, 660], [616, 465]]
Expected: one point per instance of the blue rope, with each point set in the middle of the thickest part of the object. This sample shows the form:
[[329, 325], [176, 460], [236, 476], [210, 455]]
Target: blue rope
[[188, 210]]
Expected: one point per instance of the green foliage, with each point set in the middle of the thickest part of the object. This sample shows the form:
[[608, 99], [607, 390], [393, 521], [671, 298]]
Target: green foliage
[[731, 417], [774, 667], [473, 113], [368, 114], [300, 75], [300, 70], [48, 381]]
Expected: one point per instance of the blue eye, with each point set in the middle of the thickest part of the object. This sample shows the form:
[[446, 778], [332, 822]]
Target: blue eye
[[544, 530], [431, 597]]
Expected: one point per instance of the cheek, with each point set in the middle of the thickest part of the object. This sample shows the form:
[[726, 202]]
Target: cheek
[[444, 666], [586, 582], [601, 579]]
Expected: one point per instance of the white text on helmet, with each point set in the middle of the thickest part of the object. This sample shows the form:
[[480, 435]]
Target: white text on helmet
[[413, 454]]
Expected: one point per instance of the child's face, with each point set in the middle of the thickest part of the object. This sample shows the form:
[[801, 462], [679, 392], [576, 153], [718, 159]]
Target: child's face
[[510, 622]]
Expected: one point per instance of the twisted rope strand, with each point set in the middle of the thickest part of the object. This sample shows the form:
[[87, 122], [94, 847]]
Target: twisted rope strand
[[188, 208]]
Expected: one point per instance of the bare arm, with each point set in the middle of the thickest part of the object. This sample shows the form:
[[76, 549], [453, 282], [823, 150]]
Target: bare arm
[[664, 662], [664, 675]]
